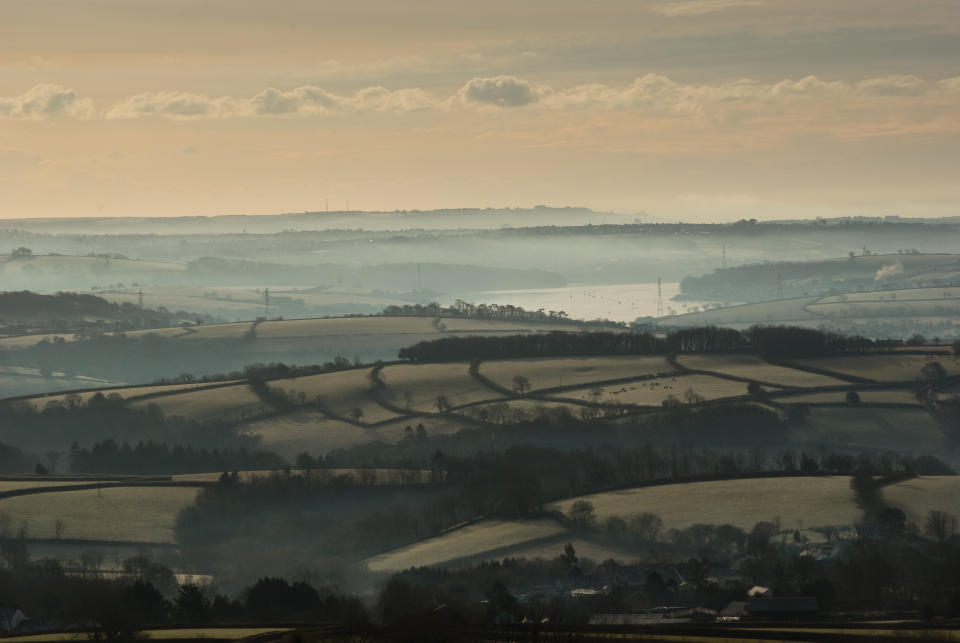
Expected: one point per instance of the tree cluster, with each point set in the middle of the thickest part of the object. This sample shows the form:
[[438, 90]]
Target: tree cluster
[[61, 423], [771, 341], [152, 458]]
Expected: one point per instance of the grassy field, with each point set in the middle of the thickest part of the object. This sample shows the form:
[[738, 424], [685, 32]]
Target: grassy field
[[379, 476], [755, 368], [907, 294], [563, 371], [143, 514], [410, 391], [920, 496], [421, 385], [293, 433], [226, 301], [870, 428], [653, 392], [855, 308], [225, 403], [74, 263], [883, 368], [16, 381], [795, 502], [23, 341], [126, 392], [472, 540], [897, 308], [878, 396], [781, 311], [305, 430], [203, 633], [814, 501], [291, 333], [340, 392]]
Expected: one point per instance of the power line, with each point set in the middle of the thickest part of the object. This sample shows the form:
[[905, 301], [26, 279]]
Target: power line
[[659, 298]]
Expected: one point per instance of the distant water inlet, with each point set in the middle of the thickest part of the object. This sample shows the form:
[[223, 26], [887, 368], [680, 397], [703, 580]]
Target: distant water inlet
[[617, 302]]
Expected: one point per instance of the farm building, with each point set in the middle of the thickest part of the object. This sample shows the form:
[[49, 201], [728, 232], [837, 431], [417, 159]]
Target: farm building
[[11, 618]]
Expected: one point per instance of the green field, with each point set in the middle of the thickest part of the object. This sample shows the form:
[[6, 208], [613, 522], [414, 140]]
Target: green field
[[144, 514], [464, 542], [356, 407], [854, 309], [201, 633], [654, 392], [802, 503], [564, 371], [417, 387], [882, 368], [871, 428], [753, 367], [224, 403]]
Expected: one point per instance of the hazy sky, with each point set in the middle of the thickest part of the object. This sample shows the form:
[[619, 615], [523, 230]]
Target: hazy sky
[[686, 109]]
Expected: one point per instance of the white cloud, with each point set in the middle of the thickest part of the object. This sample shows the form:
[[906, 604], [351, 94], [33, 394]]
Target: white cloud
[[46, 101]]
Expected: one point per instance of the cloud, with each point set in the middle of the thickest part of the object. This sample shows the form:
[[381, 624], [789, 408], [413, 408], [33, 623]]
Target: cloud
[[173, 105], [46, 101], [897, 85], [950, 86], [650, 93], [301, 101], [699, 7], [505, 91]]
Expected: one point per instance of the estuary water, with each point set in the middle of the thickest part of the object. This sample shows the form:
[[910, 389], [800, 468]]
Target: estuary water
[[616, 302]]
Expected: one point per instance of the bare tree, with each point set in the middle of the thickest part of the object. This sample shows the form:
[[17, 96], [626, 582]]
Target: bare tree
[[939, 526], [692, 397], [582, 513], [53, 457], [521, 384]]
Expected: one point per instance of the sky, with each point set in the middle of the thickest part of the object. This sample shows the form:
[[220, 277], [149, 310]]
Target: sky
[[694, 110]]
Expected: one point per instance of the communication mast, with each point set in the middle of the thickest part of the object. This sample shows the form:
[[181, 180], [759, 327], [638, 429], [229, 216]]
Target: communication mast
[[659, 298], [140, 298], [724, 256], [266, 303], [779, 285]]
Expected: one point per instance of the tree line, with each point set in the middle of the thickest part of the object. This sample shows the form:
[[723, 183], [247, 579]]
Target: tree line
[[146, 594], [62, 422], [153, 458], [770, 341], [467, 309]]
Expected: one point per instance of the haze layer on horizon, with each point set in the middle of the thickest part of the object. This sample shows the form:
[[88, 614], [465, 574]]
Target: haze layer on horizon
[[688, 109]]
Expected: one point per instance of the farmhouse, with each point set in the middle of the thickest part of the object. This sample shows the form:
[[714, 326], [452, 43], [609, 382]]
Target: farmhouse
[[11, 618]]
